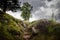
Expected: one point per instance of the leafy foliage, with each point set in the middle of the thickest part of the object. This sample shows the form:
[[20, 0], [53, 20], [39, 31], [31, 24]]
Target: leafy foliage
[[6, 5], [47, 30], [12, 29], [9, 27], [26, 11]]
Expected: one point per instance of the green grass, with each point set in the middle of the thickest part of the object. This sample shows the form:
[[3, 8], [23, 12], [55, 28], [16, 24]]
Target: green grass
[[10, 27], [13, 29]]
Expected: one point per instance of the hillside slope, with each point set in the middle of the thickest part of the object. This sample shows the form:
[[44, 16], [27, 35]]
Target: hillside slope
[[10, 28], [45, 30]]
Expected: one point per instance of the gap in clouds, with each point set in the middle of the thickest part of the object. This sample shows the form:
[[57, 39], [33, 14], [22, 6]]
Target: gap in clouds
[[15, 14]]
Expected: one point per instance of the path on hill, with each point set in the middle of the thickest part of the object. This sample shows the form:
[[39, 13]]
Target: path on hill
[[26, 34]]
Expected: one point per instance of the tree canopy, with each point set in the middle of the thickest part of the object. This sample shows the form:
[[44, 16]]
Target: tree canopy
[[6, 5], [26, 11]]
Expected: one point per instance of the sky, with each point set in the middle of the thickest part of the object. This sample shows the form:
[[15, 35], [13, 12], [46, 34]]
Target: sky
[[42, 9]]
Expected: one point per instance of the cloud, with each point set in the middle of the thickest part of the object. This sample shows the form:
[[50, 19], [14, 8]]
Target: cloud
[[35, 3], [42, 12], [39, 7], [45, 10], [57, 6], [49, 0], [42, 9], [15, 14]]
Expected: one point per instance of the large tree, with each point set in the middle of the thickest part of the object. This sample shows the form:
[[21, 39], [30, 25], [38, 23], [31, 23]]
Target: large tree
[[6, 5], [26, 11]]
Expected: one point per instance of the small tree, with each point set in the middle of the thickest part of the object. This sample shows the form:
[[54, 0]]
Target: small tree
[[6, 5], [26, 11]]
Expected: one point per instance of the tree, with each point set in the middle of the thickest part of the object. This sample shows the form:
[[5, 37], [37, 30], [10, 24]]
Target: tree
[[6, 5], [26, 11]]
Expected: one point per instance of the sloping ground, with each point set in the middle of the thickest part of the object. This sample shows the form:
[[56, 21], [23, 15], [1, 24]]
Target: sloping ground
[[45, 30], [10, 28]]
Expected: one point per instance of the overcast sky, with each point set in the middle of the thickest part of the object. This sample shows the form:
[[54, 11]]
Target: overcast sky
[[41, 9]]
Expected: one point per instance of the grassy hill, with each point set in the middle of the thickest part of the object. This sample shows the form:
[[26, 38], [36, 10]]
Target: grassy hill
[[45, 30], [13, 29], [10, 28]]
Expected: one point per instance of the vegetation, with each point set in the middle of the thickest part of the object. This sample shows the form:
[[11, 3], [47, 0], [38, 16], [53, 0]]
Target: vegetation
[[26, 11], [12, 5], [10, 28], [46, 30], [13, 29]]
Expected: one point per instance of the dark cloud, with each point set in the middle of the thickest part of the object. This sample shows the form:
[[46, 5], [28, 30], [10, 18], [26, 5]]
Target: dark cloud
[[35, 3], [49, 0], [36, 7], [58, 16], [39, 3], [57, 6]]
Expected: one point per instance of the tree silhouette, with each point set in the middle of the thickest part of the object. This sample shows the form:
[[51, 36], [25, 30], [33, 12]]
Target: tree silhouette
[[6, 5], [26, 11]]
